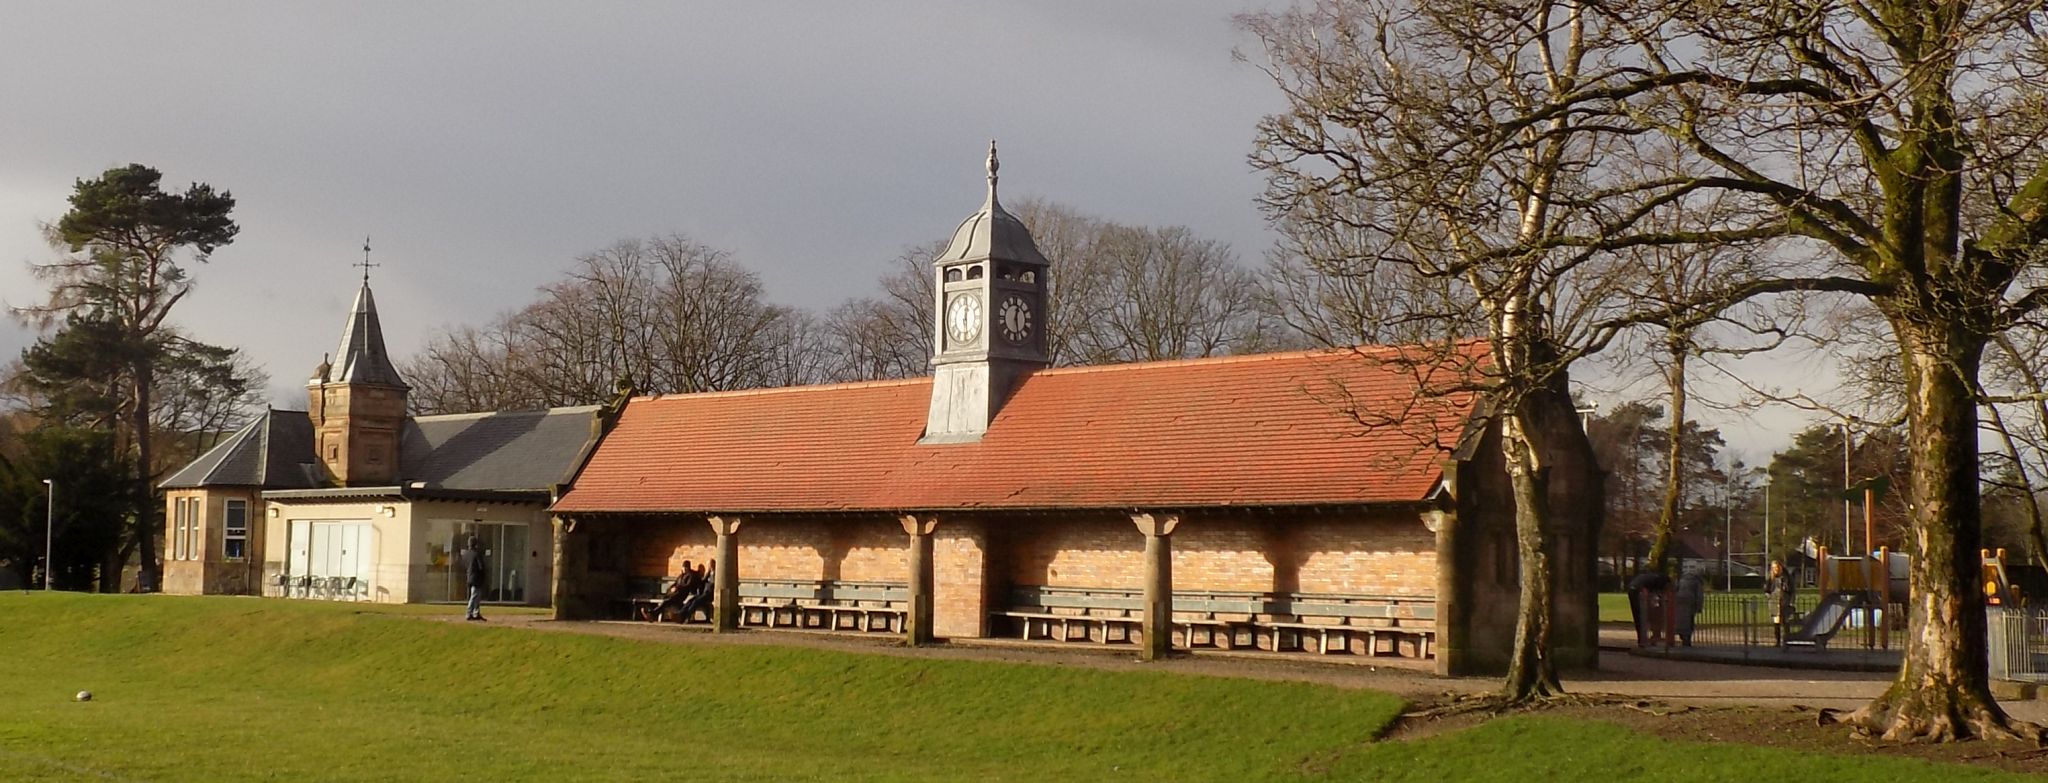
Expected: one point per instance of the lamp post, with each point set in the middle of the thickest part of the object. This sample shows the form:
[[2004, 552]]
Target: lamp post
[[1728, 530], [49, 533], [1848, 506]]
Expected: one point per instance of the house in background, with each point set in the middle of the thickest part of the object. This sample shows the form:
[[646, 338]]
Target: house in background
[[353, 499]]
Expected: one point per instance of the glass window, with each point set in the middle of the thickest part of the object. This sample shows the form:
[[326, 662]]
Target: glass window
[[192, 530], [234, 526], [181, 528], [505, 555], [177, 526]]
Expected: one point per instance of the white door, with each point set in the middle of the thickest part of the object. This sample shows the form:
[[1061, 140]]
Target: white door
[[338, 551]]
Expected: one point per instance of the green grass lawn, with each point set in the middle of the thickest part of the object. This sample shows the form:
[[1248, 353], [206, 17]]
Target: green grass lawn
[[227, 688], [1614, 608]]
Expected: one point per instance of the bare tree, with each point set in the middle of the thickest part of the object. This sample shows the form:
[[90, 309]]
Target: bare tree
[[1164, 294], [1448, 141], [887, 336], [664, 314], [1906, 138]]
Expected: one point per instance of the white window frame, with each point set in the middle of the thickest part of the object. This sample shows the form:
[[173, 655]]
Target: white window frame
[[227, 528], [178, 523], [192, 514]]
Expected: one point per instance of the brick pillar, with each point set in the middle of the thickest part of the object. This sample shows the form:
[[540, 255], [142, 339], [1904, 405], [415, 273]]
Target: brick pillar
[[959, 579], [725, 578], [1158, 621], [917, 623]]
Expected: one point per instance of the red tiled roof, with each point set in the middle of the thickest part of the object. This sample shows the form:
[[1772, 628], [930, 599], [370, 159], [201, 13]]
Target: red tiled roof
[[1262, 430]]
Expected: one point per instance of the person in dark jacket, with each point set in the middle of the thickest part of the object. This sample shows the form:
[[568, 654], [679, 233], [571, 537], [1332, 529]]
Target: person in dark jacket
[[1784, 599], [473, 569], [1692, 597], [702, 594], [679, 593], [1648, 584]]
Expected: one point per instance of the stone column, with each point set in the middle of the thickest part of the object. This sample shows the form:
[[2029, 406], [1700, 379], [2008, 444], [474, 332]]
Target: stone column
[[725, 577], [564, 592], [1158, 620], [917, 623]]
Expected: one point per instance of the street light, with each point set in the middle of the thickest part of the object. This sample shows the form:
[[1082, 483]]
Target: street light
[[1728, 545], [49, 533]]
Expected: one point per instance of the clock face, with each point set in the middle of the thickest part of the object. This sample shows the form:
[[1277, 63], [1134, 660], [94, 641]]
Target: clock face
[[1015, 318], [963, 318]]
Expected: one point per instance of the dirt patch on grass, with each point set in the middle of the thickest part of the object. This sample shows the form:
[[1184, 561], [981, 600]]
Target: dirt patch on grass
[[1795, 728]]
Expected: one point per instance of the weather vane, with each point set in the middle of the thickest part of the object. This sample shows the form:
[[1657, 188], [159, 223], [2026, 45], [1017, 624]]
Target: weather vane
[[366, 261]]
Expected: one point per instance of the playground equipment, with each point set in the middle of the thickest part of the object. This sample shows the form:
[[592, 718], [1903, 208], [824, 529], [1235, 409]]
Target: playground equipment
[[1819, 626], [2016, 585], [1855, 591]]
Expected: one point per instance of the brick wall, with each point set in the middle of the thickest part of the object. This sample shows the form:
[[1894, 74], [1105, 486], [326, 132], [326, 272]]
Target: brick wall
[[855, 549], [1387, 555], [873, 550], [977, 559], [1073, 552], [1218, 553]]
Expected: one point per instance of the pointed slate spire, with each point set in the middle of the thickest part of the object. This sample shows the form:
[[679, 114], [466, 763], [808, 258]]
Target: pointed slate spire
[[361, 358]]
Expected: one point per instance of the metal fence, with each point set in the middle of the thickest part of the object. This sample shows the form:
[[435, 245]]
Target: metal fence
[[1744, 619], [2019, 643]]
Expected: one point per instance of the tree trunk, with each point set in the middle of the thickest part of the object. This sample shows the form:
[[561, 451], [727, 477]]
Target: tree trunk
[[1531, 673], [1942, 692], [1674, 458], [145, 516]]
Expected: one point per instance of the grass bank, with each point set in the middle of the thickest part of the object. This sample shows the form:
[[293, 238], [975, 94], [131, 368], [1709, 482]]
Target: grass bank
[[225, 689]]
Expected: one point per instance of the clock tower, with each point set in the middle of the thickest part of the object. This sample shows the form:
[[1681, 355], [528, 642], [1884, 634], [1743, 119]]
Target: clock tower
[[990, 314]]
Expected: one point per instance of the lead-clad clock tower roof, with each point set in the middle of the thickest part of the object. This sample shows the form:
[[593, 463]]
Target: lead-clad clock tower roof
[[992, 232], [989, 302]]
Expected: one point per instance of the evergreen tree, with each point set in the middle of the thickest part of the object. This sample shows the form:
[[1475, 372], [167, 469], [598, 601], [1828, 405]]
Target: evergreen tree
[[125, 237]]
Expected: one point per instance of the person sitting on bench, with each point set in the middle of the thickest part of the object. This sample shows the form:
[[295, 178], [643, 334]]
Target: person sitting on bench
[[679, 593], [702, 592]]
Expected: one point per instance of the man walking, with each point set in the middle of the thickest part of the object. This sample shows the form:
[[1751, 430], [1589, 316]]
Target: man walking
[[473, 568]]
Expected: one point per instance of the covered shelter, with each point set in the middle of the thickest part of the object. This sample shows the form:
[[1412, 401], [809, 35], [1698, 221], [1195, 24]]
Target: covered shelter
[[1333, 501]]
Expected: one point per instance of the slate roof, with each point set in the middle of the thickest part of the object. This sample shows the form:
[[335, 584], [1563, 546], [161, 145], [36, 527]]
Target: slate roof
[[274, 452], [507, 450], [1248, 431], [361, 357], [510, 451]]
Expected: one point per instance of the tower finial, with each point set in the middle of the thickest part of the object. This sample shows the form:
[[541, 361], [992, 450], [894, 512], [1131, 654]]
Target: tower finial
[[993, 165], [366, 261]]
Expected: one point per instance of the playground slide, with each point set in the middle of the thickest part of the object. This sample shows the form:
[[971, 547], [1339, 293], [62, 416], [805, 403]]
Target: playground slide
[[1819, 626]]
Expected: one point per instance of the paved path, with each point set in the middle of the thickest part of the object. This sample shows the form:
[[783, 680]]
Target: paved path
[[1620, 674]]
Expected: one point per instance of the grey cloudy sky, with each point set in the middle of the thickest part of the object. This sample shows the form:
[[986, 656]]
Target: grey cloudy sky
[[484, 145]]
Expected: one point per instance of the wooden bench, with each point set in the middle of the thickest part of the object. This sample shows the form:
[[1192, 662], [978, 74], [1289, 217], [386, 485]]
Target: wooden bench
[[643, 593], [1398, 620], [774, 603], [1067, 608], [1111, 615], [867, 604]]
